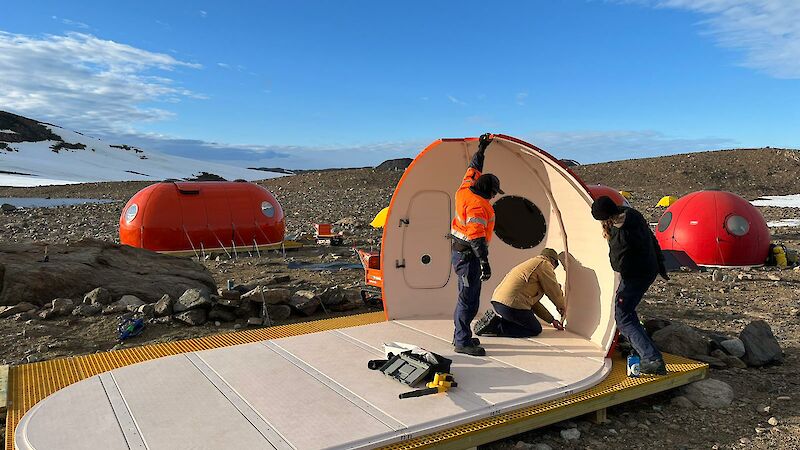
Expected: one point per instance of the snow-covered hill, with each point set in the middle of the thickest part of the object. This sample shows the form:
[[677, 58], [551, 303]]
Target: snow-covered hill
[[34, 153]]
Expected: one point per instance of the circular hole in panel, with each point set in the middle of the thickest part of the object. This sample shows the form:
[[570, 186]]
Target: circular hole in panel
[[426, 259], [519, 223]]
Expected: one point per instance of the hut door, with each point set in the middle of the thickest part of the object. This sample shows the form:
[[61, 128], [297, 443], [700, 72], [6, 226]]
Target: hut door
[[426, 247]]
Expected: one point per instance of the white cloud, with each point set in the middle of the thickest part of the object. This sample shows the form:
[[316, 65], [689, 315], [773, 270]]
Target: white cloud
[[203, 14], [84, 82], [286, 156], [73, 23], [224, 65], [456, 101], [521, 98], [767, 31], [583, 146], [605, 145]]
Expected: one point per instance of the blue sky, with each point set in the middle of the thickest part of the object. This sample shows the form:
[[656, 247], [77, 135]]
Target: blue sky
[[351, 83]]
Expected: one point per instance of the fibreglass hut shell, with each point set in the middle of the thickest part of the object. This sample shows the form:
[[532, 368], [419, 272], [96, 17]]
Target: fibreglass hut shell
[[715, 228], [193, 217], [315, 390]]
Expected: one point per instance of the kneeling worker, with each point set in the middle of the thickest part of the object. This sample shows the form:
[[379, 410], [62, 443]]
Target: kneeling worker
[[516, 300]]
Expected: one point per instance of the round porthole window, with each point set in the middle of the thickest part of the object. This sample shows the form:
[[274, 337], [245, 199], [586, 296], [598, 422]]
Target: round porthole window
[[737, 225], [664, 222], [267, 209], [131, 212], [426, 259], [519, 223]]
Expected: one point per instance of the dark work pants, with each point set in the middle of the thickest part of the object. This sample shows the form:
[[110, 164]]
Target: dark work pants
[[516, 322], [629, 294], [468, 271]]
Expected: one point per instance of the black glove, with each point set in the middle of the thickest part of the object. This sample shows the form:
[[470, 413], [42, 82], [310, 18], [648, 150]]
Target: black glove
[[486, 270], [484, 141]]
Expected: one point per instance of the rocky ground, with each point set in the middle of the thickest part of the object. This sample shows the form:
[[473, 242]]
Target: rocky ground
[[758, 416]]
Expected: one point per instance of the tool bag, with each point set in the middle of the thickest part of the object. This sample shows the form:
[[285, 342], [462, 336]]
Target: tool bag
[[410, 364]]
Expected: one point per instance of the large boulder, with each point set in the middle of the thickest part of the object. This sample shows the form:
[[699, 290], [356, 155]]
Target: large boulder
[[339, 299], [278, 313], [305, 302], [733, 347], [221, 314], [680, 339], [709, 393], [761, 347], [131, 302], [193, 317], [97, 296], [74, 269], [269, 296], [8, 311], [62, 306], [87, 310], [653, 325], [192, 299], [163, 306]]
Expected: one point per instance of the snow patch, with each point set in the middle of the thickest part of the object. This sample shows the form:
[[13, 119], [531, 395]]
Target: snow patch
[[100, 161], [8, 131], [30, 181], [784, 223], [780, 201]]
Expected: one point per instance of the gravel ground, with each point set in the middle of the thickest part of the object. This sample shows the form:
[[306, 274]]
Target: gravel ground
[[353, 196]]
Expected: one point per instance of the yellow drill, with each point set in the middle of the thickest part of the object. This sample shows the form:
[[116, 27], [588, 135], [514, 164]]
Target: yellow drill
[[442, 382]]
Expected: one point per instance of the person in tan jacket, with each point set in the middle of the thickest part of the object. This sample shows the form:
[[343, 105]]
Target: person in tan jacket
[[517, 299]]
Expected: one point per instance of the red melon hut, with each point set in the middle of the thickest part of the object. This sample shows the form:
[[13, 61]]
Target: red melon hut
[[715, 228], [599, 190], [195, 217]]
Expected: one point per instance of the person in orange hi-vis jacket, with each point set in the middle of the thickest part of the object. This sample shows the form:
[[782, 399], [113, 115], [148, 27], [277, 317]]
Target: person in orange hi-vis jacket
[[471, 232]]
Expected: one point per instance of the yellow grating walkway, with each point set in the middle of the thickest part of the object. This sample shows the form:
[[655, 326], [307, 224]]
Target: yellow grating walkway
[[30, 383]]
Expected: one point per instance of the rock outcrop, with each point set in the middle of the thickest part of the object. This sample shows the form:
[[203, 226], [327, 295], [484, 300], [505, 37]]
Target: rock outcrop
[[72, 271]]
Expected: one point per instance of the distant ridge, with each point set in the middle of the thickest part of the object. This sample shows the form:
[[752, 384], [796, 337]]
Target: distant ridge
[[749, 172], [394, 164]]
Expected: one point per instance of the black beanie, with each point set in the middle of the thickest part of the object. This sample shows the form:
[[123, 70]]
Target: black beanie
[[603, 208], [487, 185]]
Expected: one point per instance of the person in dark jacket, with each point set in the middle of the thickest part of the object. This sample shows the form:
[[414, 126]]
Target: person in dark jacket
[[636, 255]]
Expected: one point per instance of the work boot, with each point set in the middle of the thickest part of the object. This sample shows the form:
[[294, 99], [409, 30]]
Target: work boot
[[654, 367], [475, 342], [473, 350], [487, 324]]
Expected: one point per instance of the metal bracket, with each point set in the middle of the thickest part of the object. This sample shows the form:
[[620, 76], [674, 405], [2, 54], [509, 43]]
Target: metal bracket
[[404, 222], [399, 264]]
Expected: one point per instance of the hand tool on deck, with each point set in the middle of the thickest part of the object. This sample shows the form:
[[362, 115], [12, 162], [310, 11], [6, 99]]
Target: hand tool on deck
[[442, 382]]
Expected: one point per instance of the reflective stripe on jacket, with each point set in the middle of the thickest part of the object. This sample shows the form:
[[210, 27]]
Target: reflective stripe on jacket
[[474, 215]]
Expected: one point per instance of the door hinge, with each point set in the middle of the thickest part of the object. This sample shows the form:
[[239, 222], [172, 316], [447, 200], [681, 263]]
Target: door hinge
[[404, 222], [399, 264]]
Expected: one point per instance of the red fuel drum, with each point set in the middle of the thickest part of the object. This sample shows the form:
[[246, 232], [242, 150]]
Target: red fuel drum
[[599, 190], [715, 228], [196, 216]]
